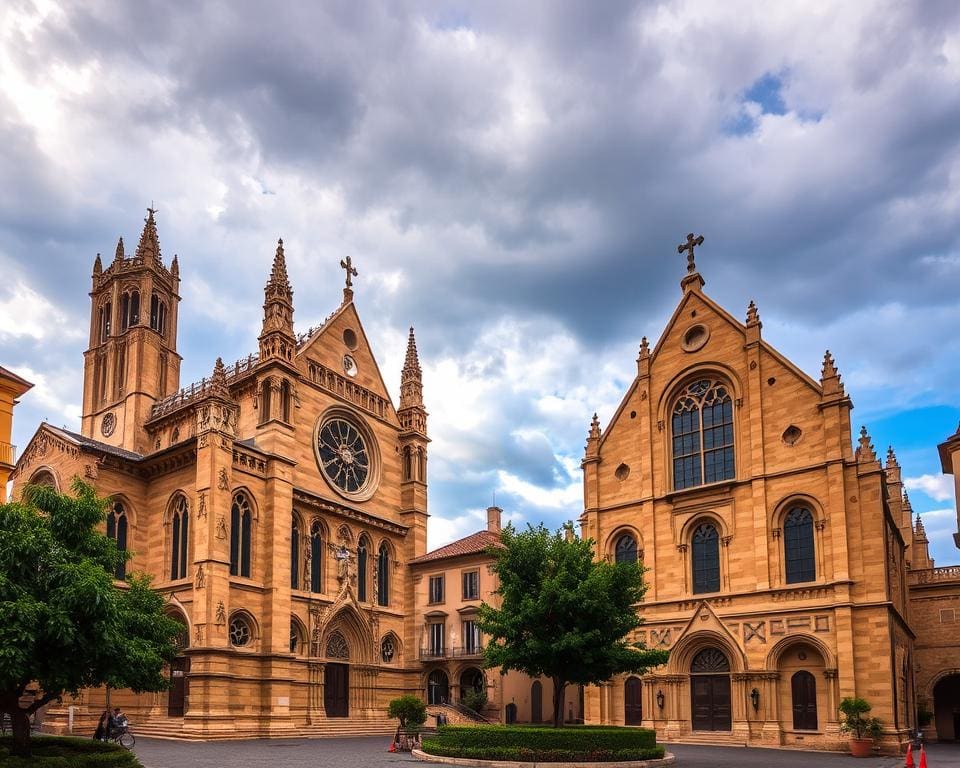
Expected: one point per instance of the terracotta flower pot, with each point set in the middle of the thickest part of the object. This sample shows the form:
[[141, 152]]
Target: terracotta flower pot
[[861, 747]]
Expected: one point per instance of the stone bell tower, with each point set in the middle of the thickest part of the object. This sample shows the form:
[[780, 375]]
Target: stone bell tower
[[131, 361]]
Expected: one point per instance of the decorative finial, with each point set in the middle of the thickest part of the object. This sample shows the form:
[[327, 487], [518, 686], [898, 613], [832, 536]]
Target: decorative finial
[[891, 458], [906, 503], [97, 265], [865, 453], [278, 274], [411, 363], [347, 266], [175, 266], [753, 317], [829, 369], [919, 530], [644, 348], [411, 386], [149, 245], [119, 255], [692, 242], [595, 427], [219, 378]]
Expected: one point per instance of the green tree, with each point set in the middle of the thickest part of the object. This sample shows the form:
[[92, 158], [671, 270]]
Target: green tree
[[64, 624], [563, 614]]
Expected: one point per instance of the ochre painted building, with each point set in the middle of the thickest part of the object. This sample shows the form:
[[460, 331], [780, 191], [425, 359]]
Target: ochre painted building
[[276, 504], [776, 550], [11, 387]]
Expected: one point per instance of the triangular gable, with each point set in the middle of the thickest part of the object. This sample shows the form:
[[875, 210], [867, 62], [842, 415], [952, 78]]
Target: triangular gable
[[705, 619], [369, 375]]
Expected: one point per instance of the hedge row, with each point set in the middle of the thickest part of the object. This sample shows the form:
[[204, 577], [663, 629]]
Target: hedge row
[[63, 752], [530, 744]]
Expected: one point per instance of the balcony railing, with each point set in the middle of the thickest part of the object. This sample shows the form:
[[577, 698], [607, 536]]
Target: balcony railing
[[462, 652], [8, 454], [933, 575]]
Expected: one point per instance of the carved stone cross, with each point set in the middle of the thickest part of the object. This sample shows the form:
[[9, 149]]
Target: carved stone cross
[[350, 270], [692, 242]]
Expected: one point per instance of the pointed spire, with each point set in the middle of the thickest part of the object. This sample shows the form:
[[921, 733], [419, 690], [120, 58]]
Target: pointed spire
[[907, 506], [918, 528], [865, 453], [892, 459], [411, 412], [753, 317], [119, 255], [411, 363], [175, 266], [829, 377], [97, 266], [149, 246], [592, 447], [829, 369], [278, 274], [276, 336], [643, 360], [219, 378]]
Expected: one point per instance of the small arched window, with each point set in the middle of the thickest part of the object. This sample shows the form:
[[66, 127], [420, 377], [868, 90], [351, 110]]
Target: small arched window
[[362, 549], [266, 397], [158, 314], [180, 534], [285, 401], [798, 546], [240, 529], [702, 428], [295, 554], [383, 575], [117, 530], [706, 559], [104, 321], [626, 549], [316, 557], [129, 310]]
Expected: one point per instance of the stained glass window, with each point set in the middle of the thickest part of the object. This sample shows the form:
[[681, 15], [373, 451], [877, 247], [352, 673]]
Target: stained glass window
[[703, 435], [706, 559], [798, 546]]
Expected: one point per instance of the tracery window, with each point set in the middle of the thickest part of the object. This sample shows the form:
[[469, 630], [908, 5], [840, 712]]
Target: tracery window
[[387, 649], [240, 632], [383, 576], [362, 549], [798, 546], [117, 530], [295, 554], [316, 557], [706, 559], [240, 529], [337, 647], [703, 435], [180, 524], [625, 550], [158, 314]]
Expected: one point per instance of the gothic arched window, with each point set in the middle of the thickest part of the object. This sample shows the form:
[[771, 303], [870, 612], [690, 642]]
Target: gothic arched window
[[158, 314], [626, 549], [285, 400], [798, 546], [295, 554], [180, 525], [117, 530], [383, 575], [240, 529], [702, 428], [362, 549], [129, 309], [104, 321], [316, 556], [706, 559]]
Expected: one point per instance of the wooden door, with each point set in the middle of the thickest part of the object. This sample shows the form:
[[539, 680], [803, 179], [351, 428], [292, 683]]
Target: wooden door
[[536, 702], [177, 694], [710, 702], [803, 688], [336, 690], [632, 704]]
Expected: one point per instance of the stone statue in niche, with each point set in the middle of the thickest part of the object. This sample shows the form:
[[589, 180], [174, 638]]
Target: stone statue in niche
[[221, 528], [221, 614], [223, 483], [200, 578]]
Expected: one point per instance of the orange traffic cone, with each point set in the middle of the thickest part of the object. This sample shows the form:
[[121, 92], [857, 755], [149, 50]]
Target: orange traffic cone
[[923, 757], [909, 763], [393, 747]]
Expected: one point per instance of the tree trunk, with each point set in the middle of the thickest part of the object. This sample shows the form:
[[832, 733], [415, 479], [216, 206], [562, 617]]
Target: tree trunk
[[20, 721], [558, 688]]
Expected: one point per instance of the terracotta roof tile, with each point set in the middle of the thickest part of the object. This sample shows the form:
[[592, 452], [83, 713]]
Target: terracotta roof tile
[[473, 544]]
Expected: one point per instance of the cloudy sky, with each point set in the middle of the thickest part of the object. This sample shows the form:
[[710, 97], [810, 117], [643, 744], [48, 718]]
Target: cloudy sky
[[512, 179]]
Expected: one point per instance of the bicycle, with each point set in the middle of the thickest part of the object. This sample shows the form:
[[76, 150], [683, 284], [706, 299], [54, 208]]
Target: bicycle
[[124, 738]]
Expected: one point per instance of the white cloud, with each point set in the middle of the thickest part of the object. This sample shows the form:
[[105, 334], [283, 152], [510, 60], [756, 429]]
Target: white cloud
[[937, 487], [26, 313]]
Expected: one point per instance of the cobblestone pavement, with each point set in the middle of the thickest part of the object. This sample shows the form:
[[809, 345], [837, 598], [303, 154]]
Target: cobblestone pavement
[[372, 753]]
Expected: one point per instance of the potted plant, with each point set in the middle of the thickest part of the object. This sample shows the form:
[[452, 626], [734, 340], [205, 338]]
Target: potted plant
[[412, 714], [863, 730]]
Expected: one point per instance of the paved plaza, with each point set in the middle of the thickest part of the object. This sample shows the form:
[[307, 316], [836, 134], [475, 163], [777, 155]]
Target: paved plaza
[[372, 753]]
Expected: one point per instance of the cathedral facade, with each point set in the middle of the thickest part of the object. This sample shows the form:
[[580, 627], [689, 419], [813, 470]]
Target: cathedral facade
[[275, 504], [776, 552]]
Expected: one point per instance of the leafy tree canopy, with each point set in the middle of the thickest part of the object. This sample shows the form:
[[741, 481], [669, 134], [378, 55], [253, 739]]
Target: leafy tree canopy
[[563, 614], [64, 623]]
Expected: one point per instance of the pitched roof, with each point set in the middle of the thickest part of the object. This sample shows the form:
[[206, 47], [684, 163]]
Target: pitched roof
[[91, 444], [21, 382], [473, 544]]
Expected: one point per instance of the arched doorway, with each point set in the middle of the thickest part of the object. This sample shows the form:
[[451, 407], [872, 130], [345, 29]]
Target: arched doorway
[[336, 677], [803, 694], [710, 690], [536, 702], [438, 687], [632, 702], [179, 669], [471, 679], [946, 708]]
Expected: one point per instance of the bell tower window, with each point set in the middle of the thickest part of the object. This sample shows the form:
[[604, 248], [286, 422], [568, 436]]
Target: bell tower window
[[158, 314], [129, 309], [702, 427]]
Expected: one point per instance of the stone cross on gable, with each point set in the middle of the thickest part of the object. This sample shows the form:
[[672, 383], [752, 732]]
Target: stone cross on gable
[[692, 242], [350, 270]]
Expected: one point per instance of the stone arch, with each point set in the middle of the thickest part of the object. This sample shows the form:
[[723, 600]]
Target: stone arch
[[682, 653], [791, 500], [610, 545], [45, 475], [299, 629], [708, 516], [695, 371], [355, 631], [945, 706], [773, 657], [397, 648], [178, 613]]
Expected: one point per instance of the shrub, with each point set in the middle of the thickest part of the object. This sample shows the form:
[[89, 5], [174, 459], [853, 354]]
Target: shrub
[[533, 744], [63, 752], [853, 709], [409, 710], [475, 700]]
